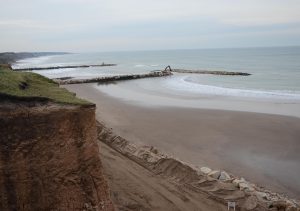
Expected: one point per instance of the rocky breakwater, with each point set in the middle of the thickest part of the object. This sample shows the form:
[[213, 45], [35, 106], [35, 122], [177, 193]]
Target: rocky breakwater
[[49, 157], [106, 79], [211, 72], [64, 67]]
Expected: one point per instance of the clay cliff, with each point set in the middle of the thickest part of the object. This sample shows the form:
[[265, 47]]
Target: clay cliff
[[49, 158]]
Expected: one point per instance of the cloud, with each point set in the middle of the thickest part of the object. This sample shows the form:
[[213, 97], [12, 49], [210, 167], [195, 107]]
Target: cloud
[[14, 23], [143, 23], [127, 11], [252, 12]]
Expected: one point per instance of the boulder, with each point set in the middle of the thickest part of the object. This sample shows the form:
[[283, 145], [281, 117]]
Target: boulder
[[224, 176], [246, 186], [205, 170], [250, 203], [243, 185], [215, 174], [292, 208], [261, 195], [280, 205], [236, 182]]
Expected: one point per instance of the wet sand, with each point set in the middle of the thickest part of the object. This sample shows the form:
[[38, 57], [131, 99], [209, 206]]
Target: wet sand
[[263, 148]]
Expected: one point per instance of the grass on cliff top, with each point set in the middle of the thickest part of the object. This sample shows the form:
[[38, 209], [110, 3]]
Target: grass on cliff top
[[25, 85]]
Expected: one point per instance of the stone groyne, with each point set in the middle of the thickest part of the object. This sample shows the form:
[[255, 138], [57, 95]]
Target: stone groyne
[[211, 72], [64, 67], [113, 78]]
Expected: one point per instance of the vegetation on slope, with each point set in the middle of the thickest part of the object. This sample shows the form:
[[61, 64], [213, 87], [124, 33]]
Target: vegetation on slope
[[26, 86], [11, 57]]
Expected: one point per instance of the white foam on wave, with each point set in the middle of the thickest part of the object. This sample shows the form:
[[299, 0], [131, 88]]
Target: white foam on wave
[[140, 65], [145, 65], [55, 71], [183, 85], [42, 61], [72, 72], [31, 62]]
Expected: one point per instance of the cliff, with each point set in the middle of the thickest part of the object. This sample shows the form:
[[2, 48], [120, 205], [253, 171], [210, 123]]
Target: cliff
[[49, 157]]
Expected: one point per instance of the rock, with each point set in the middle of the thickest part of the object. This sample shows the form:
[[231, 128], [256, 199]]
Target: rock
[[246, 186], [250, 203], [280, 205], [243, 185], [205, 170], [292, 208], [236, 182], [273, 197], [261, 195], [215, 174], [224, 176]]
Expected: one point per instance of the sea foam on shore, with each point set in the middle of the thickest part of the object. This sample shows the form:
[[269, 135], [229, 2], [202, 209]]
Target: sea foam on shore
[[188, 84]]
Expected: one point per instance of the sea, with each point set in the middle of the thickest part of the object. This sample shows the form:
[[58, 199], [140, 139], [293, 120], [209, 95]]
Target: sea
[[275, 71]]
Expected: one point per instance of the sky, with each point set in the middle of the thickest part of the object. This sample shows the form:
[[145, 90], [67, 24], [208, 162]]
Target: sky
[[126, 25]]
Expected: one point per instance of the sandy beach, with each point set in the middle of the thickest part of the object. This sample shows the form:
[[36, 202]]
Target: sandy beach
[[262, 148]]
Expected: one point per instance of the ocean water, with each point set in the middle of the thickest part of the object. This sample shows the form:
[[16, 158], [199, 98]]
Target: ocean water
[[275, 71]]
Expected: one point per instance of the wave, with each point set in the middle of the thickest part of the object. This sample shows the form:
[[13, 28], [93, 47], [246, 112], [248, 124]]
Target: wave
[[146, 65], [55, 71], [140, 65], [42, 61], [31, 62], [182, 84]]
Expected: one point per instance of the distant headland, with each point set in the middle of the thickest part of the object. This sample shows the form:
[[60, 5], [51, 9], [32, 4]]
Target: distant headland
[[11, 57]]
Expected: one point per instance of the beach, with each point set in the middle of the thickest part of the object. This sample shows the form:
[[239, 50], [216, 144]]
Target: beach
[[263, 148], [135, 188]]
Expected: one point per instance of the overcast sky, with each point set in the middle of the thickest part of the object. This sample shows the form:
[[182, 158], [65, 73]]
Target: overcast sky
[[110, 25]]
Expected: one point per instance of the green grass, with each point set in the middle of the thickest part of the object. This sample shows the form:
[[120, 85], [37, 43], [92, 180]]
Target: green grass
[[26, 86]]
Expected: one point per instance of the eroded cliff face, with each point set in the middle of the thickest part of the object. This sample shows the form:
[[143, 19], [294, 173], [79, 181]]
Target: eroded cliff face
[[49, 158]]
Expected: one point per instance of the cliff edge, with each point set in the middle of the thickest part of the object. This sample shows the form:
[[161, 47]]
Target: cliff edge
[[49, 157]]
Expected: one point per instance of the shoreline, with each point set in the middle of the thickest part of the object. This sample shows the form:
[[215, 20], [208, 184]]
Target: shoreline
[[135, 94], [202, 137]]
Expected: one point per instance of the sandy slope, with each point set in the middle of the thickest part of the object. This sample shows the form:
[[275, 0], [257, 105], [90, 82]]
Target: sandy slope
[[135, 188]]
